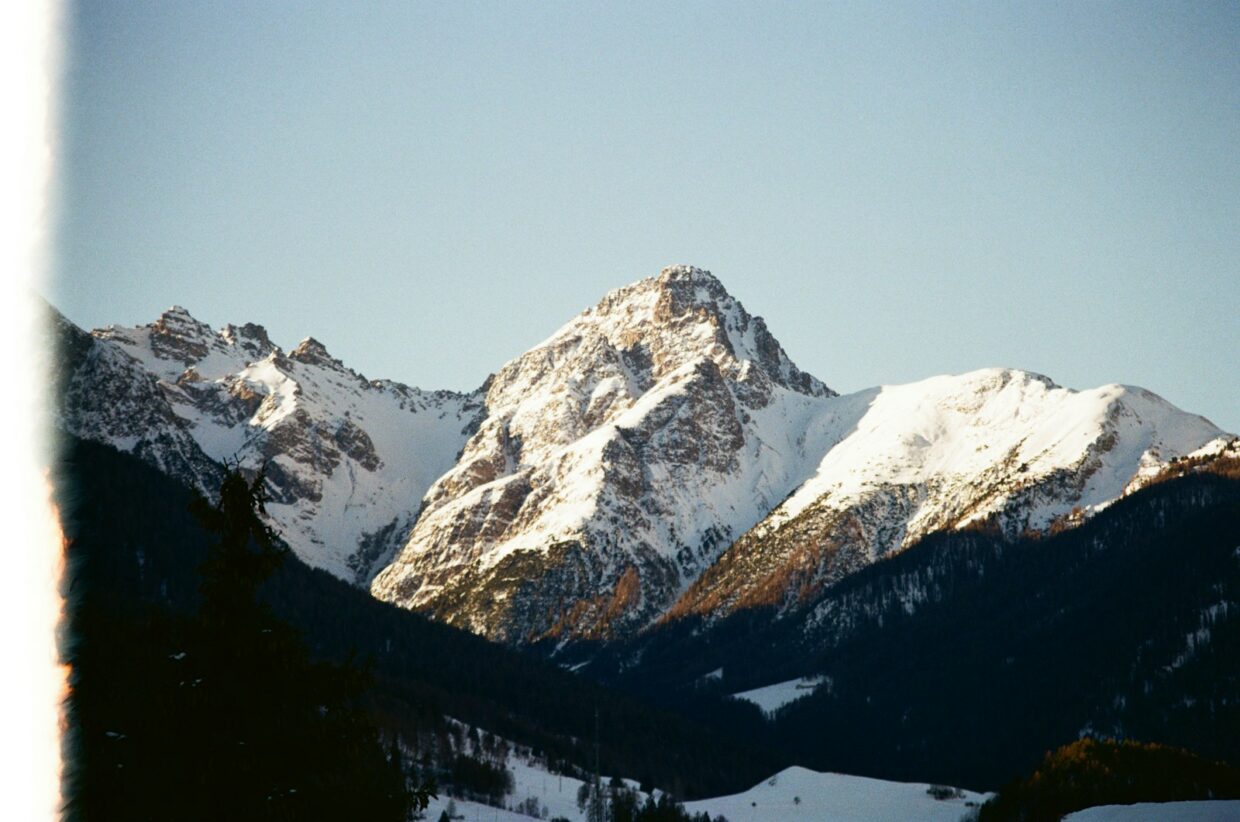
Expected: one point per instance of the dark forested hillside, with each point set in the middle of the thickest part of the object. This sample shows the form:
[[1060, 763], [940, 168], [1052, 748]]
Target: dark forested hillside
[[966, 657], [135, 549], [220, 713], [961, 660], [1093, 772]]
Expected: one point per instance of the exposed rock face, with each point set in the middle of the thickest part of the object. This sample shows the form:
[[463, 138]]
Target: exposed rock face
[[616, 461], [103, 393], [347, 459]]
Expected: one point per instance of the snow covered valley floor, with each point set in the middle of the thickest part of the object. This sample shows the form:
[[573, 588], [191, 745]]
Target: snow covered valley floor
[[793, 794], [800, 795]]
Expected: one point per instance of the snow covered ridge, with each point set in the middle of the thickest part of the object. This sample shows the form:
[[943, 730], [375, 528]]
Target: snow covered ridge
[[658, 456], [624, 463], [998, 449], [348, 458]]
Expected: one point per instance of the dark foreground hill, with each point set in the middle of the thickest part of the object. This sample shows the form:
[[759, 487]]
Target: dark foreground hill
[[961, 660], [135, 549]]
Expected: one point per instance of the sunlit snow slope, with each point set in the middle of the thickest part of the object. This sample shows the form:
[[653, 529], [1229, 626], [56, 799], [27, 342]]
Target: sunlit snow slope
[[999, 449]]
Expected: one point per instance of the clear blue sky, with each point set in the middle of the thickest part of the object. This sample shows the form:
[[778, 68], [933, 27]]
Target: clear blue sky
[[900, 190]]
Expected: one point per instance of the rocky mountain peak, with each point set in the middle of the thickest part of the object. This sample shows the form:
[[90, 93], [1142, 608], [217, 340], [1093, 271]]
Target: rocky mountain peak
[[687, 286], [348, 461], [251, 338], [176, 336], [179, 316], [662, 324], [673, 276], [313, 352], [639, 440]]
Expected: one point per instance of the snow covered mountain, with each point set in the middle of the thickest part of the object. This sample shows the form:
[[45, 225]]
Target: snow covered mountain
[[103, 394], [348, 459], [617, 460], [659, 456], [995, 449]]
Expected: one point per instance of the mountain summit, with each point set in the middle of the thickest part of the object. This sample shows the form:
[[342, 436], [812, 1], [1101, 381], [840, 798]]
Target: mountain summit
[[615, 461]]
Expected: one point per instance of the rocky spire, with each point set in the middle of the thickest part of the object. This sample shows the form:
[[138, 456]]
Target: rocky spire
[[313, 352], [251, 338]]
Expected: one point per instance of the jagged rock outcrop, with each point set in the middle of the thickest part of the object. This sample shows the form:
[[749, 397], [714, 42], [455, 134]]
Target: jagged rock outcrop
[[616, 461], [101, 392], [347, 459]]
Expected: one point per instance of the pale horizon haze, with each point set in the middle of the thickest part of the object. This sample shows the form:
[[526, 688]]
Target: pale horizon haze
[[900, 189]]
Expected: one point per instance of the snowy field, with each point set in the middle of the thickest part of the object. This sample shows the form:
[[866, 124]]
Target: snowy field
[[556, 794], [475, 812], [836, 797], [822, 796], [1217, 811], [771, 698]]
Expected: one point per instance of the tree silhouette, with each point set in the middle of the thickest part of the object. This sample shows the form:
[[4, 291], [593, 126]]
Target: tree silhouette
[[224, 715]]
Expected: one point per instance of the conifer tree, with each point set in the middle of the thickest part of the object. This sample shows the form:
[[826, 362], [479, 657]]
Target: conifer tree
[[224, 715]]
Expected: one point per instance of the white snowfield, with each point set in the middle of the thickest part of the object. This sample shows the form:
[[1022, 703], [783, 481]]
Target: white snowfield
[[1203, 811], [823, 796], [838, 798], [945, 433], [771, 698]]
